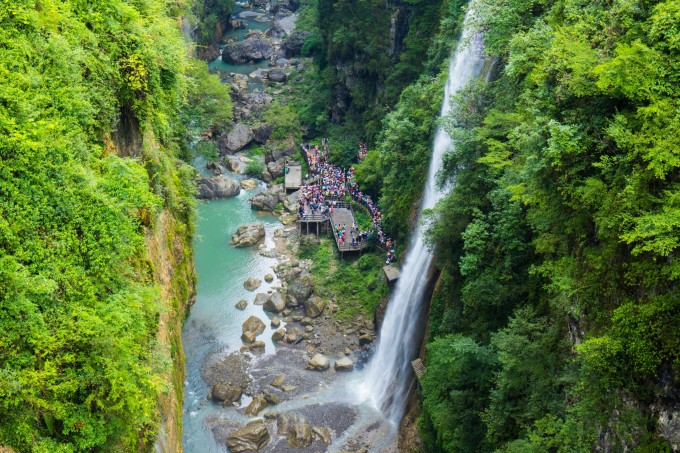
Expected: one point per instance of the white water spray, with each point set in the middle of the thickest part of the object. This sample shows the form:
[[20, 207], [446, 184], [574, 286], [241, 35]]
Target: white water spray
[[389, 375]]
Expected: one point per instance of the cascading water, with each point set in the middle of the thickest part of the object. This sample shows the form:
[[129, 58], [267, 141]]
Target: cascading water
[[388, 377]]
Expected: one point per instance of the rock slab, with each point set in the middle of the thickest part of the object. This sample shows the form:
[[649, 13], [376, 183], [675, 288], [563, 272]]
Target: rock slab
[[248, 234], [252, 437], [218, 187]]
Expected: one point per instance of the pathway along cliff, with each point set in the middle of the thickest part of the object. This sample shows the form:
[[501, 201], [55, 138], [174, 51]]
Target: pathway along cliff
[[268, 367]]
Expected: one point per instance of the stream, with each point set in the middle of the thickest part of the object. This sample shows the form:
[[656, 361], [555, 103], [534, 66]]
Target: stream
[[356, 410]]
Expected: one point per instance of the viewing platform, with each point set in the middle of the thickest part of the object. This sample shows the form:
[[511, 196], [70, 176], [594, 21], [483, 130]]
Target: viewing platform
[[293, 178], [343, 215], [392, 273]]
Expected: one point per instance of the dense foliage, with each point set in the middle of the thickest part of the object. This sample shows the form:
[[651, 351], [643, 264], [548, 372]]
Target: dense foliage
[[558, 240], [553, 326], [90, 133]]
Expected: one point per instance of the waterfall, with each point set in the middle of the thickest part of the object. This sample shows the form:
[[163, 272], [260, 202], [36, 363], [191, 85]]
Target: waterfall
[[389, 375]]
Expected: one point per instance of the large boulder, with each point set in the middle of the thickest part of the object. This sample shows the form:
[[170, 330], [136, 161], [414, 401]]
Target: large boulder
[[277, 75], [227, 394], [297, 430], [252, 283], [250, 49], [260, 298], [279, 335], [323, 434], [248, 234], [344, 364], [253, 325], [276, 168], [262, 132], [292, 45], [314, 306], [218, 187], [239, 136], [318, 363], [299, 291], [235, 164], [264, 201], [249, 184], [256, 406], [276, 32], [275, 303], [252, 437]]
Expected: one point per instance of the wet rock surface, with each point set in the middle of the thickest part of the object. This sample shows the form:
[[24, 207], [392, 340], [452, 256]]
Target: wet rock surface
[[218, 187], [252, 437], [248, 234]]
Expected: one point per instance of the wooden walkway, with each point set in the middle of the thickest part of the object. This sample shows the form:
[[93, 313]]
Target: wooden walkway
[[293, 179], [344, 216]]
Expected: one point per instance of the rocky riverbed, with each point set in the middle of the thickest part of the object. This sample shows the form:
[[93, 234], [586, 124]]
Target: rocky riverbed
[[308, 377], [269, 368]]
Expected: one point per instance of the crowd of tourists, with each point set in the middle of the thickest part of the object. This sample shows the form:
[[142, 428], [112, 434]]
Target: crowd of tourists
[[330, 185]]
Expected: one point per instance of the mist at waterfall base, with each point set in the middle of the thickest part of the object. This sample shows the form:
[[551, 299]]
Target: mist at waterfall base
[[389, 375]]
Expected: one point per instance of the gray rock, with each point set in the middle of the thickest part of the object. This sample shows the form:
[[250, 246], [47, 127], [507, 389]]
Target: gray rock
[[275, 32], [257, 346], [254, 325], [366, 339], [235, 164], [241, 304], [248, 337], [279, 334], [237, 24], [260, 299], [297, 430], [238, 137], [344, 364], [292, 335], [248, 234], [277, 75], [292, 45], [264, 201], [318, 363], [314, 306], [252, 437], [250, 49], [262, 132], [275, 303], [278, 381], [276, 322], [252, 283], [271, 397], [269, 278], [256, 405], [323, 434], [309, 329], [217, 187], [299, 291], [276, 168], [266, 176], [227, 394]]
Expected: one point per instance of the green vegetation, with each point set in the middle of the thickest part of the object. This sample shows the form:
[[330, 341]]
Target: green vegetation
[[553, 324], [91, 131], [255, 168], [557, 241], [356, 286]]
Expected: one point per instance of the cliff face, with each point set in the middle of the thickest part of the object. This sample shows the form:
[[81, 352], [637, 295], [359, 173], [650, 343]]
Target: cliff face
[[372, 51], [169, 246], [212, 22]]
